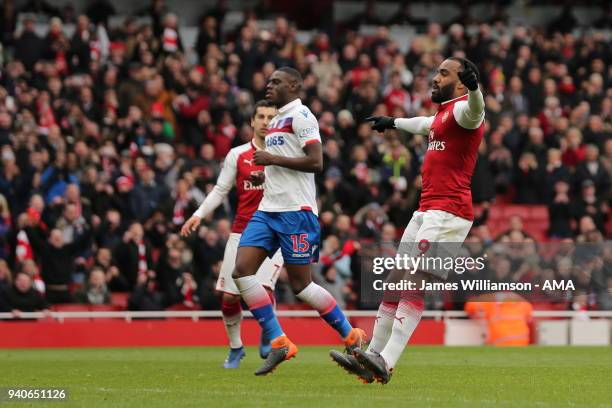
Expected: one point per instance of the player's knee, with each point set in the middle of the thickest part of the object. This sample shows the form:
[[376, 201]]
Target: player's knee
[[299, 277], [299, 284], [236, 273], [297, 288], [241, 269]]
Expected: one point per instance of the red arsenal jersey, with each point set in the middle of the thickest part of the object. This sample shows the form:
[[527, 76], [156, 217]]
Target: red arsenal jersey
[[449, 164], [249, 195]]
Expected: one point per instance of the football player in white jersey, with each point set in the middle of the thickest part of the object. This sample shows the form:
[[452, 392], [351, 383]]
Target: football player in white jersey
[[287, 219], [238, 167]]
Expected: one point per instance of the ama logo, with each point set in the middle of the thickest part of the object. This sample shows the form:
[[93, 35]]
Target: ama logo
[[435, 144]]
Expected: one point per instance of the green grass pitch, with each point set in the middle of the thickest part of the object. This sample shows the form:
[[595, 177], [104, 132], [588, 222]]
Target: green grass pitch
[[426, 377]]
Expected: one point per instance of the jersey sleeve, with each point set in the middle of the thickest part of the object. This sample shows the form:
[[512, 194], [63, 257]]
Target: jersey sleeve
[[470, 114], [419, 125], [306, 127], [225, 182]]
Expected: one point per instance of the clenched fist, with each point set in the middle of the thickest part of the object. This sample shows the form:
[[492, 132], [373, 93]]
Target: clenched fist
[[263, 158], [468, 77]]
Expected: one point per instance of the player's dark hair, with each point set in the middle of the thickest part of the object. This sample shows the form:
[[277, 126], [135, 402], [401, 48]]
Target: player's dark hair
[[464, 62], [264, 103], [292, 72]]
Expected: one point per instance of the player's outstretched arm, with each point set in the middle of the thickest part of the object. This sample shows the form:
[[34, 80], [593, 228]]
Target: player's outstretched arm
[[312, 162], [225, 182], [417, 126]]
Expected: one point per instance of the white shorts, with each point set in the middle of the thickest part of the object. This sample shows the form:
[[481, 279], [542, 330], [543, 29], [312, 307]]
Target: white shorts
[[267, 274], [439, 232]]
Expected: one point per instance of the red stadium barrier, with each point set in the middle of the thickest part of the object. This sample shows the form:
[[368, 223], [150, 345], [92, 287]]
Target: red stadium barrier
[[205, 332]]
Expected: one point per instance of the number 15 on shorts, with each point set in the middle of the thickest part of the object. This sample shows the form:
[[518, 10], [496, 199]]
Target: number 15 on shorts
[[300, 242]]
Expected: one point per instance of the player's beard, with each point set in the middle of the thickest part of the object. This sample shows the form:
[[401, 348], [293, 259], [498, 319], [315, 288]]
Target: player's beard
[[445, 93]]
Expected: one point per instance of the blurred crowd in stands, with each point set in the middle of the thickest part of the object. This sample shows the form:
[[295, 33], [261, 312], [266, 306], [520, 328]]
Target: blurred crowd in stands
[[110, 138]]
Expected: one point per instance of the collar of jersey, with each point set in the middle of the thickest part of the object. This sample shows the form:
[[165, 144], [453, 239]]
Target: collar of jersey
[[290, 105], [254, 145], [451, 100]]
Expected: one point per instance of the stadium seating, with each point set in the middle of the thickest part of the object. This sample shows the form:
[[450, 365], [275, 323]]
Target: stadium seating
[[120, 299], [534, 217]]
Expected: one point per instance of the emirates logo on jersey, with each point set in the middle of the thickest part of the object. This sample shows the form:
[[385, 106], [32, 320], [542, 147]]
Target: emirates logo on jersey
[[435, 144], [248, 185]]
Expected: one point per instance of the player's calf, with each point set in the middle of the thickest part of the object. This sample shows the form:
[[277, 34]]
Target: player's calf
[[231, 311], [264, 342], [252, 291], [324, 303]]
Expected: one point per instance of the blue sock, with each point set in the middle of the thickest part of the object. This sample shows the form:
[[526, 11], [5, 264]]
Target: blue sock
[[267, 320], [338, 321]]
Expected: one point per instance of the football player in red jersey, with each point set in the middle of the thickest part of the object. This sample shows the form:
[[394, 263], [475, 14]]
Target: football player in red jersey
[[240, 171], [445, 214]]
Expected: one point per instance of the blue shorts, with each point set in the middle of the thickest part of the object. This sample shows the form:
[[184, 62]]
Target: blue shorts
[[297, 233]]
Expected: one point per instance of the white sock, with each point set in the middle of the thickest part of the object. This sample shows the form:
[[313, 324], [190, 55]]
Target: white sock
[[252, 291], [382, 327], [318, 298], [407, 317], [232, 316]]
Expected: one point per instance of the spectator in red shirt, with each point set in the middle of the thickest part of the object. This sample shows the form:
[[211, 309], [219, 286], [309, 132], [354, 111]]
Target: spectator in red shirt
[[188, 107], [572, 147], [395, 96]]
